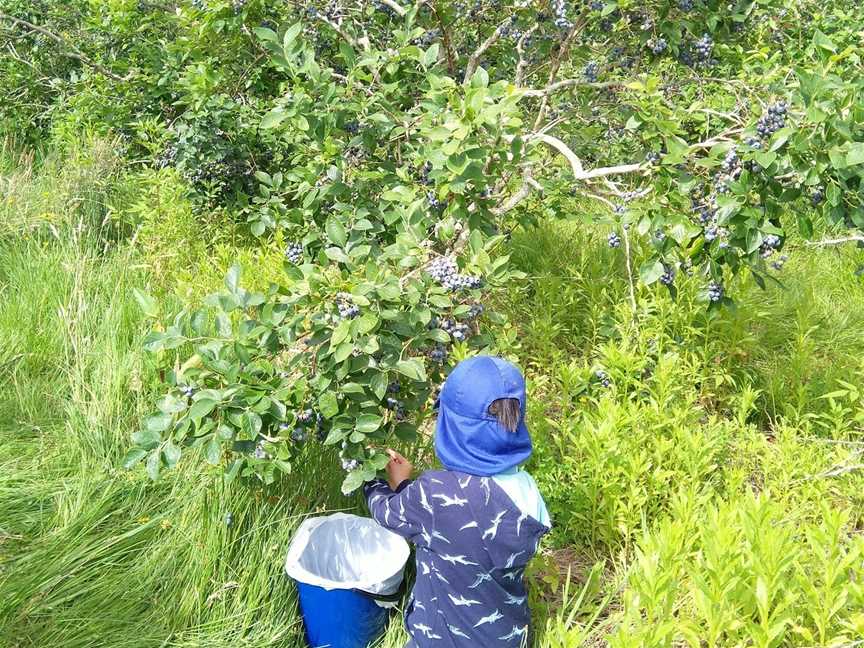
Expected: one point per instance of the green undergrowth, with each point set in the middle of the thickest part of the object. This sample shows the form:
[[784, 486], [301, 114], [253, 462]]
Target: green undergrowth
[[708, 495]]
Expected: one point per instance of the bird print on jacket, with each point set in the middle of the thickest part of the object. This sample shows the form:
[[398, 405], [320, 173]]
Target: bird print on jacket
[[473, 544]]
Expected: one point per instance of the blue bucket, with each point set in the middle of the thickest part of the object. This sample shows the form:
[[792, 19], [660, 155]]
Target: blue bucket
[[349, 572], [340, 618]]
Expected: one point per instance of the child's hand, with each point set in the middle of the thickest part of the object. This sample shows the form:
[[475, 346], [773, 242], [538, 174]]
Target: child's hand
[[398, 469]]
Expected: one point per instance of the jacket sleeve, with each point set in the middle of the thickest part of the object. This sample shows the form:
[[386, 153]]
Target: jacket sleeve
[[406, 511]]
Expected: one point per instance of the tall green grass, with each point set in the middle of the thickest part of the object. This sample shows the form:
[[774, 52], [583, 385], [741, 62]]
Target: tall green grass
[[711, 451]]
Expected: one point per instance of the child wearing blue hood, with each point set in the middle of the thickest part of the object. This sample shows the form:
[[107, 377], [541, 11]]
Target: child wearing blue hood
[[475, 524]]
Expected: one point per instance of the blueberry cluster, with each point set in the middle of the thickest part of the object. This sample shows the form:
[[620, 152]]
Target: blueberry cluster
[[561, 21], [294, 253], [305, 416], [433, 201], [704, 47], [476, 311], [770, 244], [352, 127], [779, 263], [614, 240], [438, 354], [398, 408], [187, 390], [349, 464], [445, 272], [668, 276], [429, 37], [347, 308], [652, 157], [658, 45], [238, 6], [597, 5], [817, 197], [753, 142], [621, 58], [394, 387], [603, 377], [592, 70], [712, 232], [773, 120], [660, 236], [260, 451], [201, 5], [731, 171], [456, 330], [425, 170], [715, 291], [686, 5], [619, 210]]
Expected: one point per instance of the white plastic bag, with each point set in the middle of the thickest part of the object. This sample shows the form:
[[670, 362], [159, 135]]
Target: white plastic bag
[[342, 551]]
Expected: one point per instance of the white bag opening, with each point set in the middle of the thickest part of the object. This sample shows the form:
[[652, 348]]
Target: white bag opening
[[342, 551]]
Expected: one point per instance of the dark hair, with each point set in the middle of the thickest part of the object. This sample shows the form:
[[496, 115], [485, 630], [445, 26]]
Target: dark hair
[[507, 411]]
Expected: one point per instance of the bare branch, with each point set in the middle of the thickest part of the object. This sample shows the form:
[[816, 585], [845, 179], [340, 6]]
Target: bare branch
[[563, 149], [474, 59], [523, 192], [399, 9], [73, 52], [570, 83], [519, 79], [838, 241]]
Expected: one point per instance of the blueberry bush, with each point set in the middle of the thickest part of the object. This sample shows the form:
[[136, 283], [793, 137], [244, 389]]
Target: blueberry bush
[[393, 147]]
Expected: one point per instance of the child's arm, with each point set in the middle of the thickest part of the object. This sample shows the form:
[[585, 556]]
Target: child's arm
[[405, 508]]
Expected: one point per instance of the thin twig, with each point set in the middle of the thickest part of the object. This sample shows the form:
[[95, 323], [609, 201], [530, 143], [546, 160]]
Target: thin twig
[[73, 52]]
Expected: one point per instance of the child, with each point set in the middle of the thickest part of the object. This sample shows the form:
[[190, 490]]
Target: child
[[477, 523]]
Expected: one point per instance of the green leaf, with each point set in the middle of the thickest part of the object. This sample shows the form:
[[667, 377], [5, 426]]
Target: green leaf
[[273, 119], [147, 439], [353, 481], [201, 409], [343, 352], [368, 423], [154, 464], [328, 405], [266, 34], [213, 451], [134, 456], [413, 368], [336, 232], [232, 278], [147, 303], [378, 462], [651, 271], [335, 436], [171, 452], [336, 254], [430, 56], [821, 40], [366, 323], [290, 35], [856, 154], [158, 423], [340, 333], [379, 384]]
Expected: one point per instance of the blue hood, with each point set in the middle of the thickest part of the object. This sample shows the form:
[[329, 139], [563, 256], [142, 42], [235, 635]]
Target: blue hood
[[467, 437]]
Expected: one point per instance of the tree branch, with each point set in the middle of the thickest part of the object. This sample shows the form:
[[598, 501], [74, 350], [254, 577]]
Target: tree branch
[[838, 241], [73, 52], [519, 79], [629, 269], [474, 59], [569, 83], [338, 29], [399, 9]]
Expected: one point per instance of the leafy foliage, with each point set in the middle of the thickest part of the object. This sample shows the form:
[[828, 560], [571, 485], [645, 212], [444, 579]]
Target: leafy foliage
[[377, 139]]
